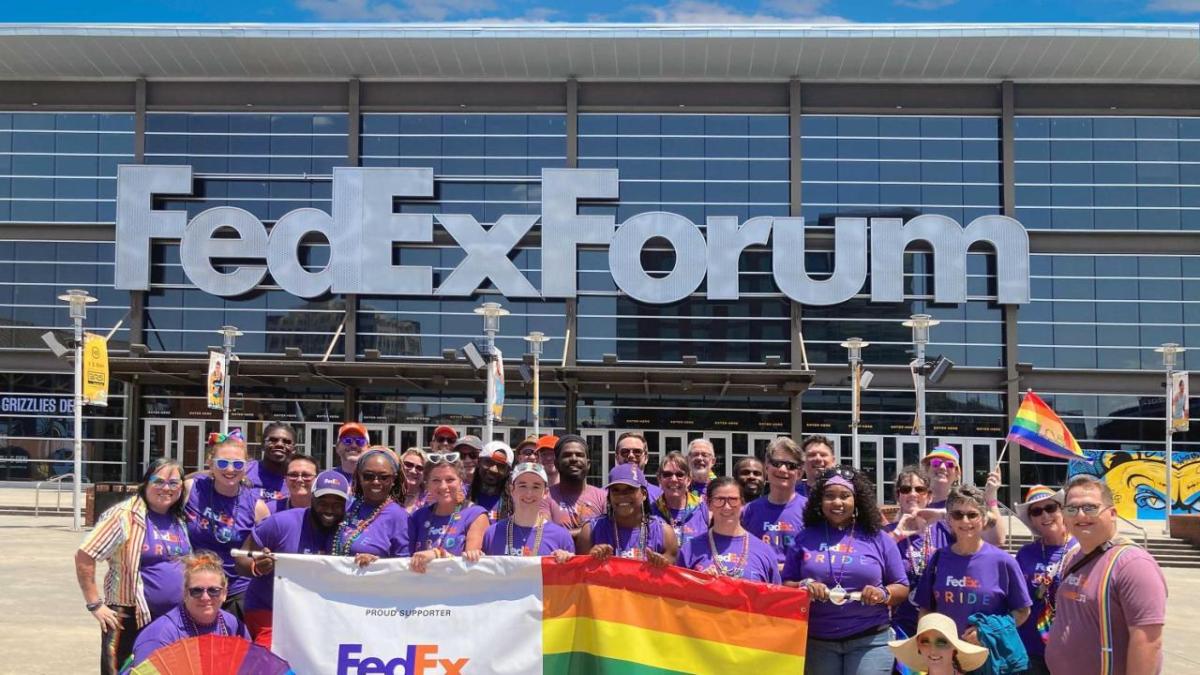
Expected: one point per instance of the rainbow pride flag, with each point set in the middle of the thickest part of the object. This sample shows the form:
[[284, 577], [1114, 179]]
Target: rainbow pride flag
[[1038, 428]]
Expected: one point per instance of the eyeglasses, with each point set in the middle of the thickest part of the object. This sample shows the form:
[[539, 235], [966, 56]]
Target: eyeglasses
[[839, 471], [224, 464], [444, 439], [939, 463], [198, 592], [353, 440], [164, 483], [966, 515], [281, 440], [631, 452], [726, 501], [372, 477], [444, 457], [413, 466], [909, 489], [671, 474], [784, 464], [1035, 511], [937, 642], [1086, 509], [300, 475]]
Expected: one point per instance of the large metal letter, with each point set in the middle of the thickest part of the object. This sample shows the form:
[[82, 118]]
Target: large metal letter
[[198, 248], [366, 230], [625, 257], [563, 229], [487, 255], [138, 224], [726, 241], [950, 243], [849, 262], [283, 246]]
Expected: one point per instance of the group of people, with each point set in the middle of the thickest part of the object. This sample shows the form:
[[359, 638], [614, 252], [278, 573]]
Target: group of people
[[930, 590]]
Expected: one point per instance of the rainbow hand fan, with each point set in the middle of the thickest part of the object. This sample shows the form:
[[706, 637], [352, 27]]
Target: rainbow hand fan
[[212, 655]]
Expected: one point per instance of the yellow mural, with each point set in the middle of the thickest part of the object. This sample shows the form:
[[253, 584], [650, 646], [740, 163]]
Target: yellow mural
[[1138, 481]]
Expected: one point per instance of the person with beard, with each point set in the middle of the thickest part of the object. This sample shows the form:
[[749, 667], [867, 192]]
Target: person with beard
[[351, 442], [627, 529], [701, 457], [678, 505], [778, 517], [266, 475], [301, 472], [632, 448], [304, 530], [818, 455], [491, 477], [748, 473], [468, 448], [376, 524], [575, 502]]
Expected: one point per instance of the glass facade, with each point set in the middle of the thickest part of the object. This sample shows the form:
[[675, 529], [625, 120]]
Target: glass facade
[[1101, 310]]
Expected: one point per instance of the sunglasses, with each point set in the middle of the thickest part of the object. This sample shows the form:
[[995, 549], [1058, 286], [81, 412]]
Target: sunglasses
[[198, 592], [841, 471], [353, 440], [1085, 509], [165, 483], [937, 642], [444, 457], [1035, 511], [784, 464], [300, 475], [939, 463], [280, 440], [966, 515], [413, 466], [671, 474], [223, 464], [909, 489], [444, 439], [630, 452], [372, 477], [726, 501]]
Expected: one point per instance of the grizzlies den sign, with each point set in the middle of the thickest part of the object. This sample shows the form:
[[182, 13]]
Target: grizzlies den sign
[[362, 232]]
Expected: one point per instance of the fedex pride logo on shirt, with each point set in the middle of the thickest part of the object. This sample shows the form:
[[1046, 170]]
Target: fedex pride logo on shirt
[[417, 660], [966, 581]]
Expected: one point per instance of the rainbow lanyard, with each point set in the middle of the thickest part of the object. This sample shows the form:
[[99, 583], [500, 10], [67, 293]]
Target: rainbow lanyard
[[1105, 598]]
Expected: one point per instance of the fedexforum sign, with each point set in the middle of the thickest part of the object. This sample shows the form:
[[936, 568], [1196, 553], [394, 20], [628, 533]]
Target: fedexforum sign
[[362, 232]]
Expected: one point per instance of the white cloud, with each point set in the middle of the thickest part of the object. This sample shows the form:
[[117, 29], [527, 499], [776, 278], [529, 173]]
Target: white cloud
[[1174, 6], [402, 10], [924, 4], [767, 11]]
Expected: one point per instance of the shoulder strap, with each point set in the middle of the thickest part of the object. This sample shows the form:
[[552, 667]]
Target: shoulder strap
[[1104, 605]]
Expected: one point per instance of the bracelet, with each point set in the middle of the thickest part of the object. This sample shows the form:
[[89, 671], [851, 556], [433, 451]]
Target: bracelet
[[804, 583], [93, 606], [887, 595], [993, 503]]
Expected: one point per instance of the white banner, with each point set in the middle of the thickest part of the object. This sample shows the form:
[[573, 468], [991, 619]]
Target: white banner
[[332, 617], [1180, 410]]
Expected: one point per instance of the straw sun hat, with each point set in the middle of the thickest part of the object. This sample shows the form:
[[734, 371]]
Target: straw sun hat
[[970, 656]]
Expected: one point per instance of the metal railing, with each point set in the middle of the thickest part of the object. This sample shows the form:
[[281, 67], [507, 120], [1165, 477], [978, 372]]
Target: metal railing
[[58, 492], [1139, 528]]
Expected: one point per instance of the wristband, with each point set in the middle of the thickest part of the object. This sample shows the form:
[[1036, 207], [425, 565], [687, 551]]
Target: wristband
[[887, 595], [993, 503], [804, 583], [93, 606]]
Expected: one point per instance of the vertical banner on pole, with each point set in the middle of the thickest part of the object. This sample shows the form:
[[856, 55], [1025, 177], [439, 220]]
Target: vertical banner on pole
[[496, 392], [95, 370], [216, 380], [1179, 401]]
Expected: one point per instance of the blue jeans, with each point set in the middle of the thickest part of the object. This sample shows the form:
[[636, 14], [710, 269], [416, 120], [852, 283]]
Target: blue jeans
[[867, 655]]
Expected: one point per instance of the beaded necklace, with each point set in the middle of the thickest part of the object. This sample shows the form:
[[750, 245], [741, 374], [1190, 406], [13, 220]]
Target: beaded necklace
[[349, 531], [1047, 582], [194, 631], [918, 556], [643, 535], [738, 570], [539, 528]]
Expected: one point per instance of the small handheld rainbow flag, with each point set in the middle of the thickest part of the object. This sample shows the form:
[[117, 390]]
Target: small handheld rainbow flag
[[1038, 428]]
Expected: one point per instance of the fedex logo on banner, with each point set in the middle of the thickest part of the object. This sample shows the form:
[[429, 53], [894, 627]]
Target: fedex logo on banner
[[417, 660]]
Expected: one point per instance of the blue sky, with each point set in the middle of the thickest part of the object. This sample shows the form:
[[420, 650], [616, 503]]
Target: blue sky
[[638, 11]]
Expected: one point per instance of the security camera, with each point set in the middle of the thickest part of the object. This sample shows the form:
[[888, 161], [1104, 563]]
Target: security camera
[[940, 369], [473, 355], [864, 379], [55, 346]]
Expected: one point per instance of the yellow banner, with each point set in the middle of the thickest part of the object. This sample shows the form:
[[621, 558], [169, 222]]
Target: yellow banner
[[95, 370]]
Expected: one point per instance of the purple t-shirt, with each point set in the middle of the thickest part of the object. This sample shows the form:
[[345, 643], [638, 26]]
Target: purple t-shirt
[[1137, 596], [162, 571], [171, 628], [760, 563], [1040, 564], [628, 540], [388, 534], [220, 524], [491, 504], [279, 505], [776, 524], [653, 491], [429, 530], [554, 537], [291, 531], [987, 582], [687, 523], [852, 560], [915, 551], [269, 486], [573, 512]]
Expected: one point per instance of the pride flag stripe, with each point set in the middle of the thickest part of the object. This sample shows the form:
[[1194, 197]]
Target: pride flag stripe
[[571, 663]]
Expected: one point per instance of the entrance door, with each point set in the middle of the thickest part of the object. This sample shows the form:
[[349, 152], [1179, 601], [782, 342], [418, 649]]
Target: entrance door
[[156, 442], [757, 444], [408, 436], [190, 441], [722, 447], [377, 434], [597, 442], [978, 457], [318, 443]]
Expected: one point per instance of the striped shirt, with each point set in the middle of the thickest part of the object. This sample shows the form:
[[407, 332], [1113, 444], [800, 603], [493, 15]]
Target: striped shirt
[[118, 538]]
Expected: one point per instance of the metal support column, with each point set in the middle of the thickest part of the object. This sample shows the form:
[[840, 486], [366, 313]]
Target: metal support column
[[1012, 377]]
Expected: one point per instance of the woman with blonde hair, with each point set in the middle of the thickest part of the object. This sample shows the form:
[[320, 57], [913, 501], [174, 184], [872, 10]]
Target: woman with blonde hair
[[936, 648], [449, 525], [412, 465]]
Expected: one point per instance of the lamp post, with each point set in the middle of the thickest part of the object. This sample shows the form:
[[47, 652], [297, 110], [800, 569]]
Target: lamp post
[[491, 313], [535, 340], [78, 301], [920, 325], [854, 346], [1168, 351], [230, 334]]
